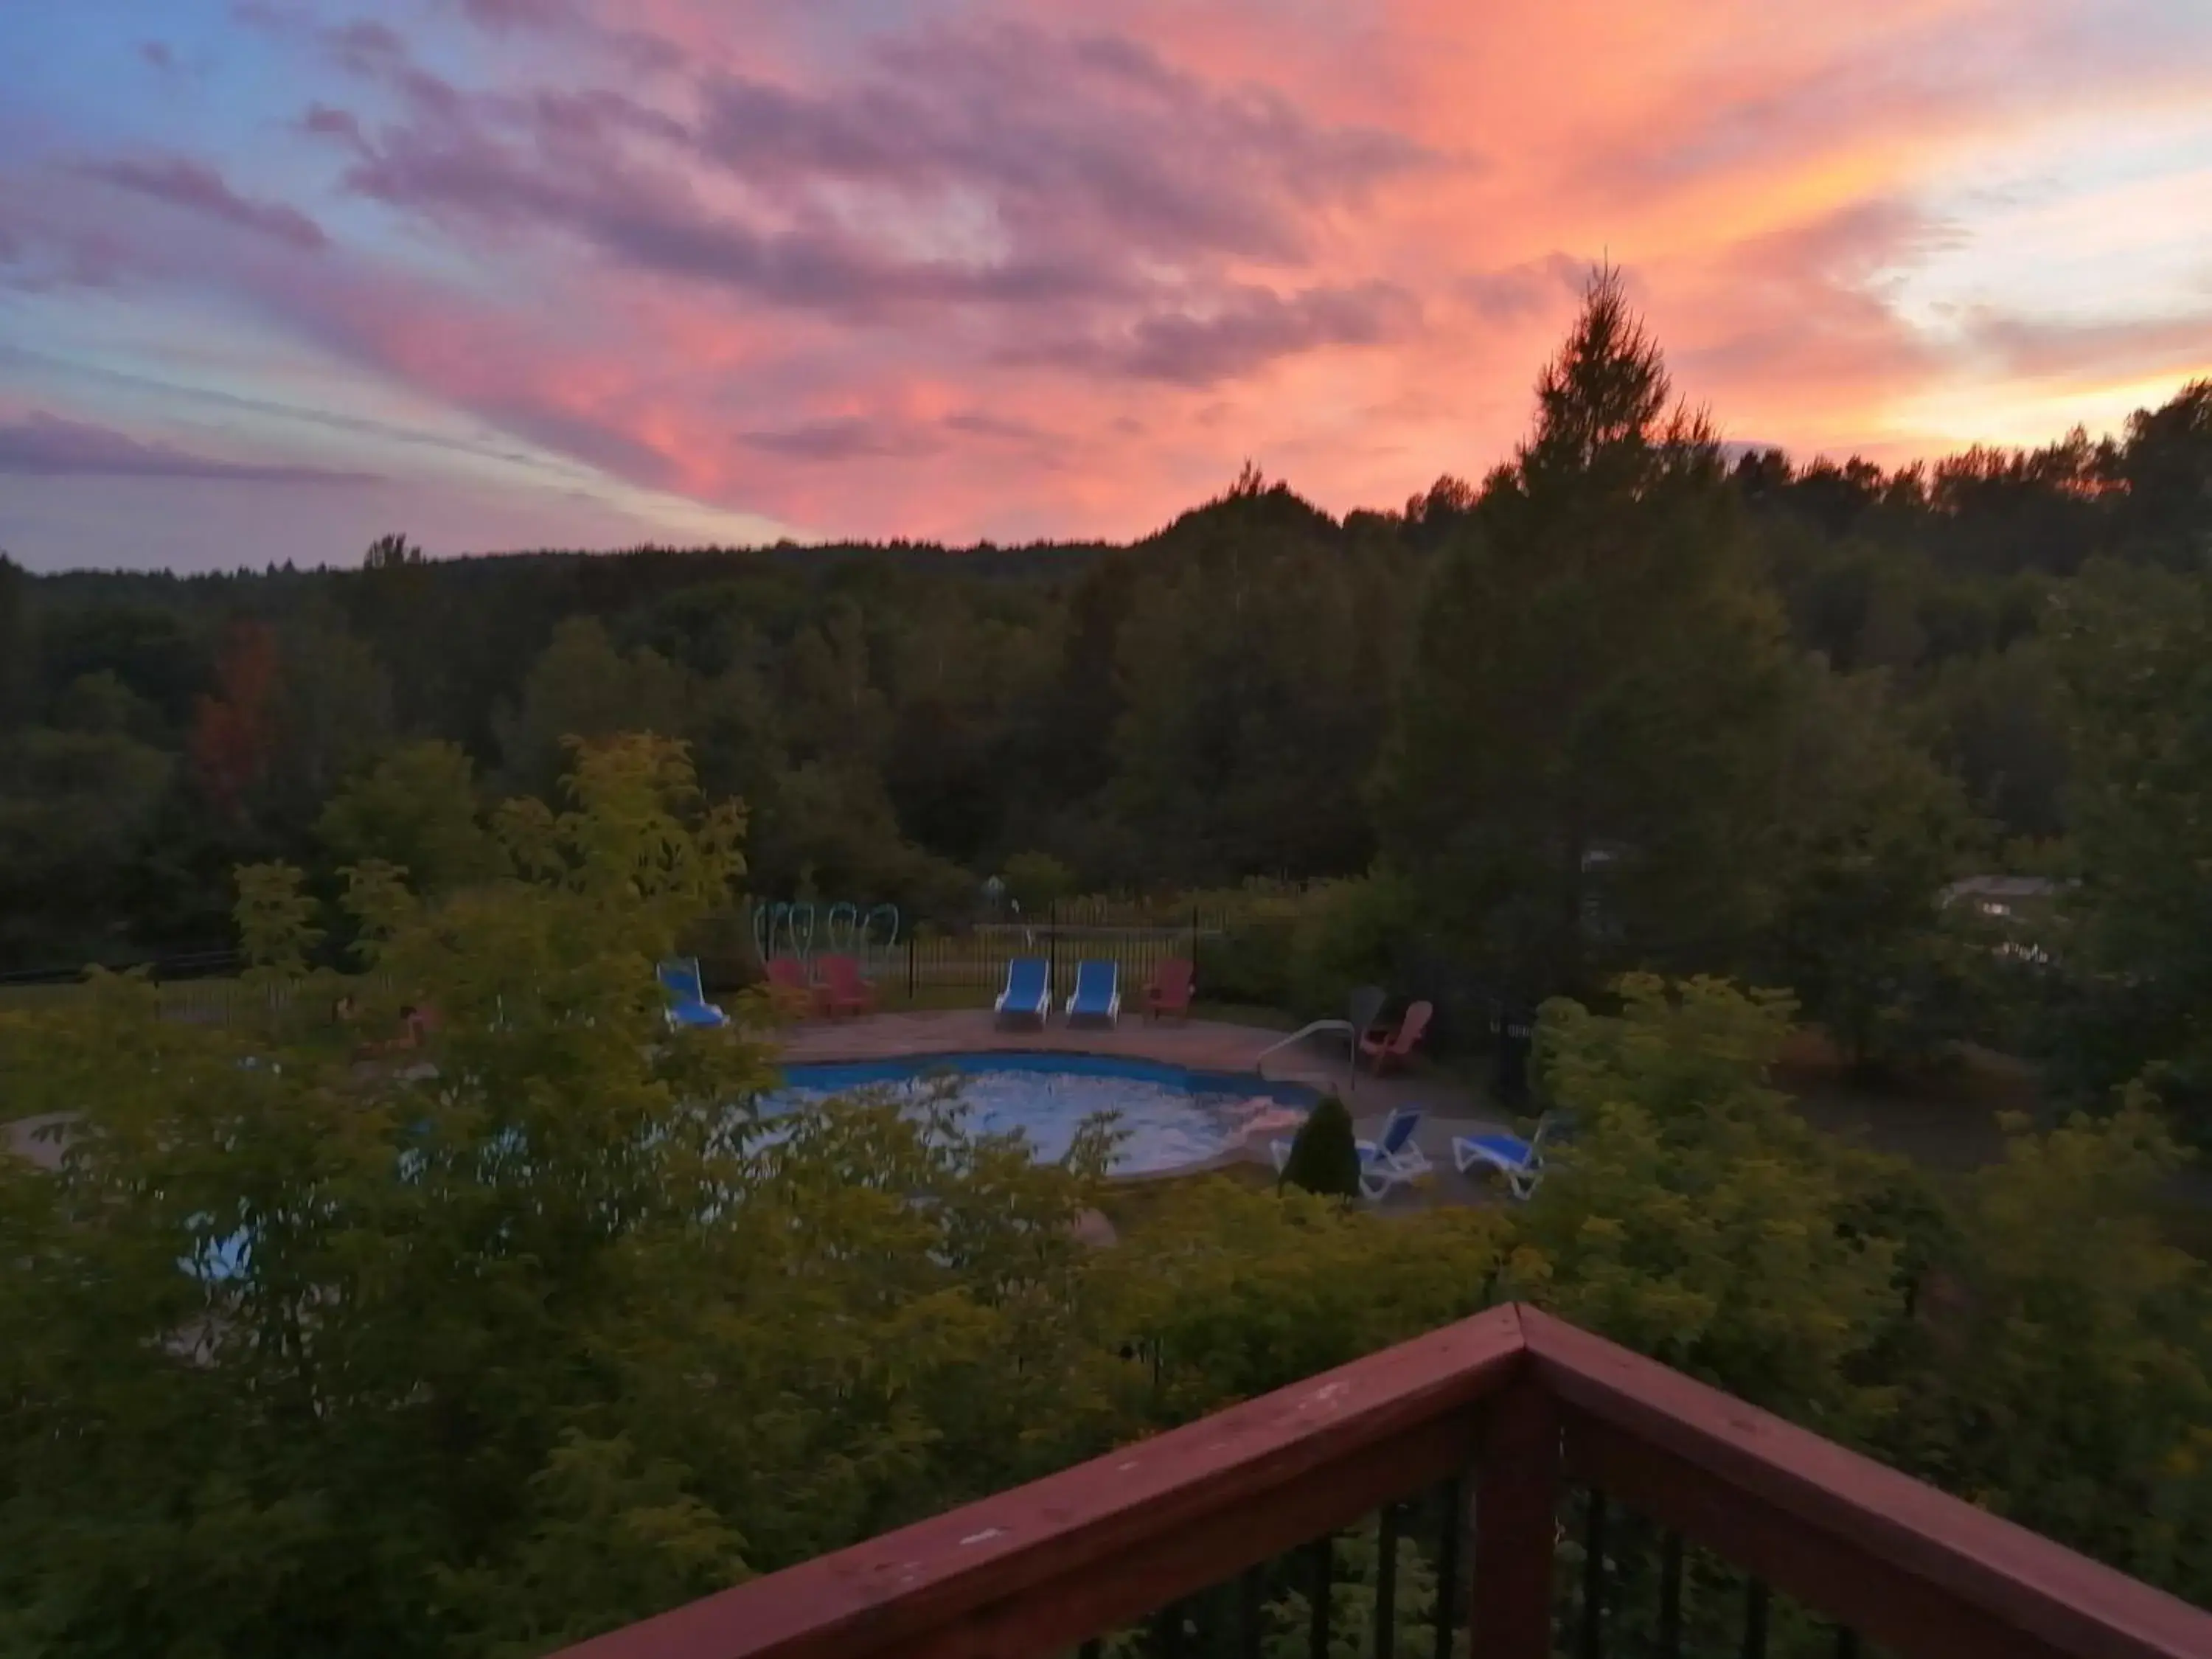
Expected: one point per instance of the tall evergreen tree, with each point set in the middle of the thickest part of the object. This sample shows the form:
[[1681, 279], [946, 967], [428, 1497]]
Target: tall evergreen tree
[[1583, 768]]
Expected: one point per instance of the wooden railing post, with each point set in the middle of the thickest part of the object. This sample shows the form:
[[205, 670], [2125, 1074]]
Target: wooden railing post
[[1516, 1490]]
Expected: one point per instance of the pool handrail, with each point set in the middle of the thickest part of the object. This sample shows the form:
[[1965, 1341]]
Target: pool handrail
[[1314, 1028]]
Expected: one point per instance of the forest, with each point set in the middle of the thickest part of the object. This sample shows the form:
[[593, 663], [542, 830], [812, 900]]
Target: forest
[[301, 1351], [1627, 703]]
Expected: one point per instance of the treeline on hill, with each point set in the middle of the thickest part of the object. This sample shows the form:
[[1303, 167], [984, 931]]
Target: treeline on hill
[[1625, 704]]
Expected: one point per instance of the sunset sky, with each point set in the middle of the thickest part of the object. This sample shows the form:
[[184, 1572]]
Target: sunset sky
[[277, 278]]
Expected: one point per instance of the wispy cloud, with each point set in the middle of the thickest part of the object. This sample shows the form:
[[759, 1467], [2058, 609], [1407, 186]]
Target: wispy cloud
[[43, 446], [196, 187], [993, 167], [1239, 334], [849, 439], [1513, 293]]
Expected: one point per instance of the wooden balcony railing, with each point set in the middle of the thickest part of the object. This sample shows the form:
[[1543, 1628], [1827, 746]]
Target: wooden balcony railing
[[1543, 1475]]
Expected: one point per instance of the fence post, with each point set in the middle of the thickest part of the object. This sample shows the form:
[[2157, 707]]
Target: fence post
[[909, 967], [1193, 948], [1052, 944]]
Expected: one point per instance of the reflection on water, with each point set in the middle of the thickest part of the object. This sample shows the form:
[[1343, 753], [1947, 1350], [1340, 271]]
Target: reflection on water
[[1172, 1118]]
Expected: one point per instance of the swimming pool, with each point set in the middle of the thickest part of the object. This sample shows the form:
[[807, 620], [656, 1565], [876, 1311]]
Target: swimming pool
[[1172, 1116]]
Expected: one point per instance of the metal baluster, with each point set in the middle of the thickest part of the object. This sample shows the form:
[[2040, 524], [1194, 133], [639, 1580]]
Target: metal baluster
[[1317, 1627], [1447, 1568], [1754, 1620], [1386, 1582], [1593, 1638], [1670, 1597], [1248, 1596], [1847, 1642]]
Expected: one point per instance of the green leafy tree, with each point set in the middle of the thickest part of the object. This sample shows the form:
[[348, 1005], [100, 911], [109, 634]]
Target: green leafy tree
[[1876, 832], [827, 827], [331, 712], [2135, 649], [15, 643], [1036, 881], [1997, 722], [75, 809], [417, 808], [2166, 468], [277, 929], [390, 1359], [1696, 1217], [1253, 668], [101, 703], [833, 707], [1347, 934], [583, 686], [1226, 1292], [2070, 1377], [155, 650]]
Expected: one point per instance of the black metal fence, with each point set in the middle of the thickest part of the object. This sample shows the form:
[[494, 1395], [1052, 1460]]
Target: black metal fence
[[973, 959], [216, 962], [1399, 1587]]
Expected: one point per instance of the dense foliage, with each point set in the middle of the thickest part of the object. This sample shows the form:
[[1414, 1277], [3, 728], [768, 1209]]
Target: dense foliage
[[1626, 704], [483, 1347], [471, 1333]]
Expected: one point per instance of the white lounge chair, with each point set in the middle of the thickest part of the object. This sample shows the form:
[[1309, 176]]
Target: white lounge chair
[[1392, 1160], [1520, 1161]]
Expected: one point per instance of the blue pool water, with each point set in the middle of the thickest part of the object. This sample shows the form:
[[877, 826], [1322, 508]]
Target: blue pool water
[[1172, 1116]]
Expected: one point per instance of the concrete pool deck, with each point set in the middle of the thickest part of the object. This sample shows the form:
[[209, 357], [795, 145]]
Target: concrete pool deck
[[1447, 1107]]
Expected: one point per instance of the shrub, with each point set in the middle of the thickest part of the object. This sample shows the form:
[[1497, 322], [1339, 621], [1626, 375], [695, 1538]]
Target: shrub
[[1250, 962], [1323, 1158], [1345, 936], [1034, 880]]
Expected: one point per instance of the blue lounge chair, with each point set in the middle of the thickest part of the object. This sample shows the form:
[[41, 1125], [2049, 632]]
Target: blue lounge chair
[[1393, 1160], [1097, 993], [1520, 1161], [1028, 994], [687, 993], [1396, 1158]]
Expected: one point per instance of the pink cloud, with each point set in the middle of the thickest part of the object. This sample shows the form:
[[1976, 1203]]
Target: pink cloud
[[964, 268]]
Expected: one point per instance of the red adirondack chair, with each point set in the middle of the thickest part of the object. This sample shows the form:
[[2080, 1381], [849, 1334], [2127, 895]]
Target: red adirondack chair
[[788, 988], [1169, 993], [844, 990], [1384, 1053]]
